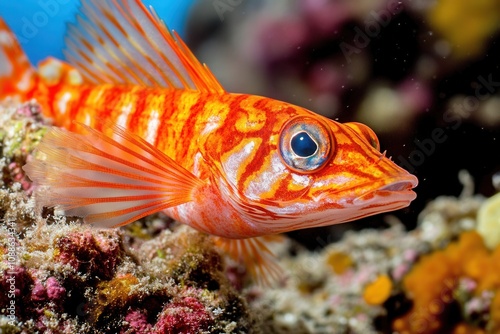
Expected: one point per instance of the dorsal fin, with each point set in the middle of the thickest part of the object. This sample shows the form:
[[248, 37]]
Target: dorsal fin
[[124, 43]]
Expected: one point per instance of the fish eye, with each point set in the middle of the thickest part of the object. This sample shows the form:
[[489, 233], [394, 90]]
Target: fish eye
[[303, 145], [306, 144]]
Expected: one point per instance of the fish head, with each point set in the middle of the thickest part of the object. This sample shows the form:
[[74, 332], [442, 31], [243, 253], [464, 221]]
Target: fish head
[[349, 178], [301, 170]]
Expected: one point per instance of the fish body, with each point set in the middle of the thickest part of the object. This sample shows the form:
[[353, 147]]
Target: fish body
[[148, 128]]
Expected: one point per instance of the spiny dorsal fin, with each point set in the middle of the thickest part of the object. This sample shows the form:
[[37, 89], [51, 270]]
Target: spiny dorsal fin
[[110, 181], [124, 43]]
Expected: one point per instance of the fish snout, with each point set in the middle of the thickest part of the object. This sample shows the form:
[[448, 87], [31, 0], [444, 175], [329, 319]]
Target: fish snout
[[397, 190], [408, 183]]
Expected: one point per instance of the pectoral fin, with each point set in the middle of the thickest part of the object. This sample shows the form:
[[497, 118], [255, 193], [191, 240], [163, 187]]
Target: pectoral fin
[[258, 259], [109, 181]]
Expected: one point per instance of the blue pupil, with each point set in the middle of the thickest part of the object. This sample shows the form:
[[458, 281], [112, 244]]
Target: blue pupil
[[303, 145]]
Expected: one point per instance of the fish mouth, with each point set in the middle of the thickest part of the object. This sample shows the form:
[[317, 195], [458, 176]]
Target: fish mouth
[[399, 190], [399, 186]]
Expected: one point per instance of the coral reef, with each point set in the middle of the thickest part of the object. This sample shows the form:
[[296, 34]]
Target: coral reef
[[20, 132], [69, 278], [58, 276], [464, 268], [353, 300]]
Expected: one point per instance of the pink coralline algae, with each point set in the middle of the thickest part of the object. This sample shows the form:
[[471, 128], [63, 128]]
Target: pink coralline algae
[[181, 315], [38, 293], [137, 322], [14, 282], [90, 253], [17, 175], [186, 315], [50, 290], [54, 289]]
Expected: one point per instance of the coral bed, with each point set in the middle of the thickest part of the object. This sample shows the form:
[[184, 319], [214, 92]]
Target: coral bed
[[154, 276], [57, 276]]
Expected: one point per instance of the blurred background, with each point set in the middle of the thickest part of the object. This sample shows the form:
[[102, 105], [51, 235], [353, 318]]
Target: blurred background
[[424, 74]]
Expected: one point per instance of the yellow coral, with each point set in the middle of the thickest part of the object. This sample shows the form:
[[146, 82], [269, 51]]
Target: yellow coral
[[432, 281], [465, 24], [377, 292], [114, 292], [339, 261]]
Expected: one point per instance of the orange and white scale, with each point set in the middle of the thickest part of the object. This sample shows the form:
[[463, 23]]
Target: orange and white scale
[[151, 129]]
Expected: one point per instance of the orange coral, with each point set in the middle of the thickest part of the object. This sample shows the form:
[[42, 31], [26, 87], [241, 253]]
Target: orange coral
[[377, 292], [432, 282], [467, 329], [495, 313]]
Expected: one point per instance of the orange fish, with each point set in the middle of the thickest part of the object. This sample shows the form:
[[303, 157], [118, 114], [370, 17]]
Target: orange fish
[[143, 126]]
